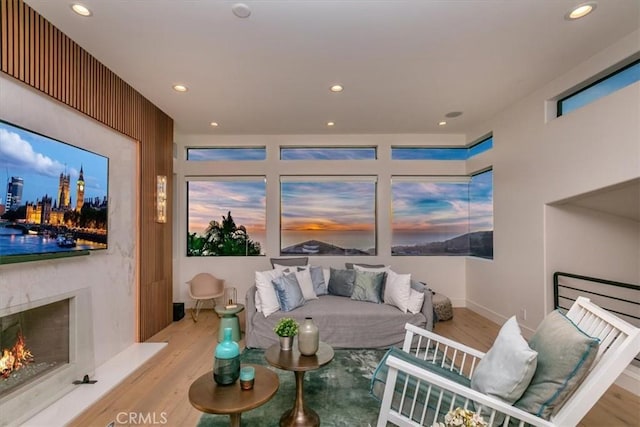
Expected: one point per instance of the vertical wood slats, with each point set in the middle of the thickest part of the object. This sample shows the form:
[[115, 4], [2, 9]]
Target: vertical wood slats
[[33, 51]]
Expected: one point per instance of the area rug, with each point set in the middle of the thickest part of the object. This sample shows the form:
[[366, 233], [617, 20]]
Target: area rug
[[338, 392]]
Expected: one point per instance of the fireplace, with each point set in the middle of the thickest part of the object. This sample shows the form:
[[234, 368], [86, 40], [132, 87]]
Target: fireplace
[[45, 345], [32, 343]]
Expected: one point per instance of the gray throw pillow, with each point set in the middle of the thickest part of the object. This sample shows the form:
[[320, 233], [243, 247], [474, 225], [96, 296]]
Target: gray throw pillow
[[367, 286], [506, 370], [288, 292], [565, 355], [341, 282], [289, 262], [317, 278]]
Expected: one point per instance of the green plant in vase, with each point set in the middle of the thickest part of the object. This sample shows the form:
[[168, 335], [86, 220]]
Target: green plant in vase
[[286, 329]]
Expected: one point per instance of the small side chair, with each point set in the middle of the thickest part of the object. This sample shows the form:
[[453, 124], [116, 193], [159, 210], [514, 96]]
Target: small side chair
[[203, 287]]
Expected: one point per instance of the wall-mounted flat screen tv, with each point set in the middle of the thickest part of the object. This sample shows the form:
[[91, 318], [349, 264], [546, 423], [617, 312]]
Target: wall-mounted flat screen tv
[[53, 195]]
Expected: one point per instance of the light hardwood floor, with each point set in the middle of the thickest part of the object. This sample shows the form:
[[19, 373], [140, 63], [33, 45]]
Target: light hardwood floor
[[158, 390]]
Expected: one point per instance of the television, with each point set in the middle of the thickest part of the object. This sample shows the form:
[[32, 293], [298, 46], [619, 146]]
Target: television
[[54, 201]]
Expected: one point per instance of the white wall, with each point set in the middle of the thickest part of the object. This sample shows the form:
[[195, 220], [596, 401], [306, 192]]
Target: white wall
[[539, 161], [444, 274], [110, 274]]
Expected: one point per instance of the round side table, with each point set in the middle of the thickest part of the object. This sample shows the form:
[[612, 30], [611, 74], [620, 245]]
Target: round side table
[[229, 319], [207, 396]]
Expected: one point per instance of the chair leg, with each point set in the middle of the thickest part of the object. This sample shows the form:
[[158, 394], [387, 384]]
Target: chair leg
[[197, 310]]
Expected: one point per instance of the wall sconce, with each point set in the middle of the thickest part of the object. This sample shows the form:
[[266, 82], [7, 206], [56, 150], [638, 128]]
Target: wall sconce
[[161, 198]]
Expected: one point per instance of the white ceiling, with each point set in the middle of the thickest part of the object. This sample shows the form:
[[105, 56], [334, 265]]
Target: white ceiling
[[404, 63]]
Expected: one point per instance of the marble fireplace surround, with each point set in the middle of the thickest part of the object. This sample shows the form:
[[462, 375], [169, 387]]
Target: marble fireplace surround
[[26, 400]]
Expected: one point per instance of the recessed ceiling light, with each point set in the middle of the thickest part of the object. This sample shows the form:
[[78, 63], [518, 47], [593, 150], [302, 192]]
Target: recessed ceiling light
[[80, 9], [241, 10], [580, 11], [453, 114], [330, 124], [336, 88], [442, 123], [180, 88], [214, 124]]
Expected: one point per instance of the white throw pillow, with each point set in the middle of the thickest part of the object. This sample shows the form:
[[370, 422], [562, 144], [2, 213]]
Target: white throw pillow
[[397, 290], [507, 368], [372, 269], [265, 293], [415, 301], [306, 284]]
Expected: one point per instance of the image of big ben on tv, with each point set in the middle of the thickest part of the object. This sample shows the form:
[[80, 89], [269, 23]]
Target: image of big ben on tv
[[56, 195]]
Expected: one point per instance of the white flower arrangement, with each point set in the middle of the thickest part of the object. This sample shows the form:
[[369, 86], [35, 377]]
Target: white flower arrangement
[[462, 418]]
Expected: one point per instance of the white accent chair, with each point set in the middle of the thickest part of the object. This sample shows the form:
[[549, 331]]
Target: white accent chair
[[403, 405], [203, 287]]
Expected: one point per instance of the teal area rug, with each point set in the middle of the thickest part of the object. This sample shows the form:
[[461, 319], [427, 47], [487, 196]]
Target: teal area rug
[[338, 392]]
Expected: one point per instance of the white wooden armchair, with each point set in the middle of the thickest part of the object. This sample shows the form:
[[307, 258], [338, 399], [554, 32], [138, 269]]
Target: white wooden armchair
[[415, 396]]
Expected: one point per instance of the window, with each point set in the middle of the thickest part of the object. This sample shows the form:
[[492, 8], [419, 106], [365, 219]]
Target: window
[[226, 153], [328, 215], [430, 216], [226, 216], [443, 215], [328, 153], [603, 87], [441, 153], [481, 215]]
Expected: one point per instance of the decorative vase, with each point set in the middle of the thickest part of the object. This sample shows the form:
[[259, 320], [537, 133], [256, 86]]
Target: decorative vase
[[286, 343], [308, 337], [226, 365]]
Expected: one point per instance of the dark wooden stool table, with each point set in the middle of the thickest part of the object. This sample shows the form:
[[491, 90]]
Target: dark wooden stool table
[[207, 396], [292, 360]]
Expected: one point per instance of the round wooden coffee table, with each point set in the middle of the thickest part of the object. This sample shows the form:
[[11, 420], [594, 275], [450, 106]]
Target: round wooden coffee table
[[292, 360], [207, 396]]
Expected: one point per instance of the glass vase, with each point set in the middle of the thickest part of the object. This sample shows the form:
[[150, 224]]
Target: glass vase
[[308, 337], [226, 365]]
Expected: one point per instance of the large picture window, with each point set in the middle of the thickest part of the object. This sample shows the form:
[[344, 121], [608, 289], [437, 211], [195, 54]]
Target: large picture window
[[328, 215], [226, 216], [443, 215]]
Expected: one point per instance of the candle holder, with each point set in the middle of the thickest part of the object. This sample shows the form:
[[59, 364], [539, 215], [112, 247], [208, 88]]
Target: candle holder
[[247, 377]]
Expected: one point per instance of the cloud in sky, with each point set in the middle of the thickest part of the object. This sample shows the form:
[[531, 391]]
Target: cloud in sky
[[18, 154], [328, 205], [210, 200]]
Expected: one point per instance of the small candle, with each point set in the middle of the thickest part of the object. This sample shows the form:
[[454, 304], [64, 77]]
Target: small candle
[[247, 376]]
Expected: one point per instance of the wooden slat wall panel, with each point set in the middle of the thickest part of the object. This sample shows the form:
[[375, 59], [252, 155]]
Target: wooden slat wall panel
[[38, 54]]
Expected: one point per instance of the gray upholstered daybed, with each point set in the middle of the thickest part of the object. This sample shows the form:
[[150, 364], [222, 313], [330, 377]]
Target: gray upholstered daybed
[[343, 322]]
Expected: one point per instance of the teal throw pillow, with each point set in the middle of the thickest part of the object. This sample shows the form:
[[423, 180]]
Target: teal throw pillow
[[341, 282], [367, 286], [288, 292], [565, 355]]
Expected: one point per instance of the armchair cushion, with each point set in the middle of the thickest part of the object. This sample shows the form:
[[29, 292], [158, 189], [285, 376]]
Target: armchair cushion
[[506, 370], [565, 355]]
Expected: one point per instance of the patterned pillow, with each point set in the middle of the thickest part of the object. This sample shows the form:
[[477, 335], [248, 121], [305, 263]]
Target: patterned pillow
[[565, 355]]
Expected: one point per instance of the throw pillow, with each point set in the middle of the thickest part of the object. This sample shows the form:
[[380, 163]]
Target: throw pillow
[[266, 298], [397, 290], [367, 286], [288, 292], [416, 299], [289, 262], [341, 282], [351, 265], [306, 284], [506, 369], [317, 278], [565, 355]]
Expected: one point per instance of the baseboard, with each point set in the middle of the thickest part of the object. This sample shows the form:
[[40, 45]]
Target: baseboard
[[629, 379]]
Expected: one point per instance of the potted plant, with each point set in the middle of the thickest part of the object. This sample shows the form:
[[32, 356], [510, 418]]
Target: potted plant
[[286, 329]]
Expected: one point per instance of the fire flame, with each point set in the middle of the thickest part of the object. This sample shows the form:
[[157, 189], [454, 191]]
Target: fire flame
[[15, 358]]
